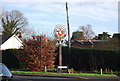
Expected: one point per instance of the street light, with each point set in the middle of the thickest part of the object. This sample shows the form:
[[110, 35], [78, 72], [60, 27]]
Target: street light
[[41, 53], [39, 38]]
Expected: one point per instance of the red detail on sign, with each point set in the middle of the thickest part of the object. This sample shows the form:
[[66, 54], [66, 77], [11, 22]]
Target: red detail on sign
[[60, 32]]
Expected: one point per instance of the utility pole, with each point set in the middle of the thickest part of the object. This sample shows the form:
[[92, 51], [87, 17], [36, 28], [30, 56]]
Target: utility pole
[[69, 43]]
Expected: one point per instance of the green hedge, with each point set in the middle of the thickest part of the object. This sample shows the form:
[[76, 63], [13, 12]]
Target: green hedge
[[79, 59], [91, 59], [9, 58]]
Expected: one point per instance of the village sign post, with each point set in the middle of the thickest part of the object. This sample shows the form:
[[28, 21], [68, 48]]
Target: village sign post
[[60, 33]]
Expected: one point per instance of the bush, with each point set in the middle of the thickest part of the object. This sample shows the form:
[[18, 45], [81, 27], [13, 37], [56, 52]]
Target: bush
[[9, 58], [91, 59]]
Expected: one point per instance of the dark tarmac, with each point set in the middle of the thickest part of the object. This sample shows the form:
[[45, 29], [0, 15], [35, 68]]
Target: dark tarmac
[[24, 77]]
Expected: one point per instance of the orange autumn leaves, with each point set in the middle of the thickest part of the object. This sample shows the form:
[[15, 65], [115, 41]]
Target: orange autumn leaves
[[30, 55]]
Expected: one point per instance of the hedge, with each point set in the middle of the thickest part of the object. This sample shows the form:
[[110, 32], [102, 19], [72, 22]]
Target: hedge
[[77, 58], [9, 58], [90, 59]]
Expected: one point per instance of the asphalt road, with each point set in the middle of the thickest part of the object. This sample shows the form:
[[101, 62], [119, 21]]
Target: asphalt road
[[39, 78]]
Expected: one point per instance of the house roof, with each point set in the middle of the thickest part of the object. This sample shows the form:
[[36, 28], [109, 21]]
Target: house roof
[[84, 42], [5, 38], [116, 35], [97, 42], [77, 42], [89, 42]]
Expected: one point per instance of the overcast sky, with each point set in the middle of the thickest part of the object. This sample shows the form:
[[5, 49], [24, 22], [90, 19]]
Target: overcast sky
[[43, 15]]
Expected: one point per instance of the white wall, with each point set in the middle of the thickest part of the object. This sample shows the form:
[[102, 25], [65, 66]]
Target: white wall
[[12, 43]]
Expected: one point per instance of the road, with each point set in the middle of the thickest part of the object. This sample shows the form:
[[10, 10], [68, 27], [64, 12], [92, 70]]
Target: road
[[38, 78]]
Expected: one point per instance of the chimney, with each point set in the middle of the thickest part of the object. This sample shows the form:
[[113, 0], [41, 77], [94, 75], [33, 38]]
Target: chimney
[[20, 34]]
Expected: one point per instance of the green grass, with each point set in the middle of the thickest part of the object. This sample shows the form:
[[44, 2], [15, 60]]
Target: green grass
[[72, 74]]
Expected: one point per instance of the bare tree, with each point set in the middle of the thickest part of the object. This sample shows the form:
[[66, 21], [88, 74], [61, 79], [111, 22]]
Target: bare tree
[[87, 31], [27, 32], [13, 21]]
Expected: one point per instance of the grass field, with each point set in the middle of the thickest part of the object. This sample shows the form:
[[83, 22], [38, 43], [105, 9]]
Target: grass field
[[53, 73]]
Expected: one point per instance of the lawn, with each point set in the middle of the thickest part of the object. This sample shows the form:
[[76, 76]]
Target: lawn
[[53, 73]]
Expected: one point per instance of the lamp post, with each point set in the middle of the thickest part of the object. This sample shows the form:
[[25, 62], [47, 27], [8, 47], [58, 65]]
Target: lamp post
[[40, 39]]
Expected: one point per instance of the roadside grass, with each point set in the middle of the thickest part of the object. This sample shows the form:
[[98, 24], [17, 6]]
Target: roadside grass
[[67, 74]]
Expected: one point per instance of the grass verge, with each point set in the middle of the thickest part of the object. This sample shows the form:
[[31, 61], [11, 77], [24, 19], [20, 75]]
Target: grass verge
[[67, 74]]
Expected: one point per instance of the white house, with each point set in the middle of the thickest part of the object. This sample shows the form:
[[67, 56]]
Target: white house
[[10, 42]]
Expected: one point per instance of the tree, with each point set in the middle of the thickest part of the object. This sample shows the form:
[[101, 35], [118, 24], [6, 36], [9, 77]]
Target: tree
[[112, 43], [30, 55], [13, 21], [77, 35], [104, 36], [109, 43], [87, 31]]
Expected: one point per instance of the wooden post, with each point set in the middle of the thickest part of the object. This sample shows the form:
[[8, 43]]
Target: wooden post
[[69, 43], [45, 69], [101, 71], [60, 55]]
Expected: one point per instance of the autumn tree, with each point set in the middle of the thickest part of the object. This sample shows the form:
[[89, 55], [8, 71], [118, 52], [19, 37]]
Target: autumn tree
[[87, 31], [30, 55], [13, 21]]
